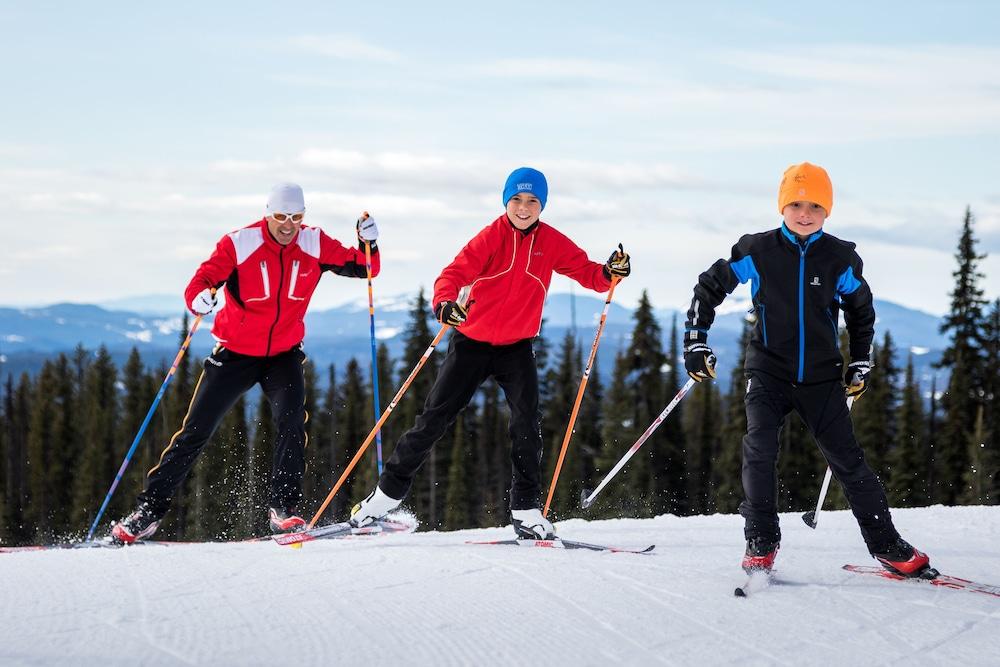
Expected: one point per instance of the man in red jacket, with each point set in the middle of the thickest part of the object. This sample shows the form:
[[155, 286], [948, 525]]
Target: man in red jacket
[[508, 266], [269, 271]]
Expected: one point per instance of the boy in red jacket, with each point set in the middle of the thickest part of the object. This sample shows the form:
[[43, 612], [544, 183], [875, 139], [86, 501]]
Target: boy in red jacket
[[269, 270], [508, 266]]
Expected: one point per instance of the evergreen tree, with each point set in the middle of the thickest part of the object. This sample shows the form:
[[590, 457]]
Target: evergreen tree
[[4, 447], [801, 467], [355, 423], [17, 415], [41, 453], [646, 392], [727, 466], [51, 451], [701, 425], [588, 437], [261, 457], [982, 477], [493, 468], [909, 461], [619, 433], [668, 458], [933, 429], [459, 503], [564, 382], [365, 476], [321, 456], [137, 396], [176, 402], [102, 452], [963, 358], [873, 413], [416, 339]]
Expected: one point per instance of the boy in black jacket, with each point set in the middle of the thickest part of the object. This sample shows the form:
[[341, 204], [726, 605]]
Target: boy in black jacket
[[800, 279]]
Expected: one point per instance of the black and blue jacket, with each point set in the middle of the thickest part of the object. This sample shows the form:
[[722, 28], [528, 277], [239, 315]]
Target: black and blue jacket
[[798, 289]]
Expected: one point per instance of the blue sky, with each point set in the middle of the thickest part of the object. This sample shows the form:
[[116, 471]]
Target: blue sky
[[133, 137]]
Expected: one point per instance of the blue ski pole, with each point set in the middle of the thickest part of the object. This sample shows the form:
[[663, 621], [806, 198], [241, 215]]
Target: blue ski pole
[[371, 317], [145, 423]]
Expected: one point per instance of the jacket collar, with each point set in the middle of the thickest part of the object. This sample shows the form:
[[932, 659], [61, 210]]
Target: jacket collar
[[270, 241], [524, 232], [802, 243]]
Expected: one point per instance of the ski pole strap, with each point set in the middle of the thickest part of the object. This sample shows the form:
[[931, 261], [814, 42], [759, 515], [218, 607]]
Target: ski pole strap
[[589, 500]]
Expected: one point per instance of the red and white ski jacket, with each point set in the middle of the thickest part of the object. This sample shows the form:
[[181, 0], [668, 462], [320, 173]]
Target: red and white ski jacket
[[510, 272], [268, 285]]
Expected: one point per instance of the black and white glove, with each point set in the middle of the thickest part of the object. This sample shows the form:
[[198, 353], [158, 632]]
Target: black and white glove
[[451, 313], [699, 361], [204, 302], [856, 378], [367, 229], [618, 264]]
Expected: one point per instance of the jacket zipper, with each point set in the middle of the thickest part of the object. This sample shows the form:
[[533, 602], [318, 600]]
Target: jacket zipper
[[802, 300], [277, 310]]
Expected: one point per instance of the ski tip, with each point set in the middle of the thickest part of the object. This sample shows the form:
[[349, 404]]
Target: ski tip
[[810, 519]]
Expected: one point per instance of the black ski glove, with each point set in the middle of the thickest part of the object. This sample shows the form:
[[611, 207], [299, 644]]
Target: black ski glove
[[856, 378], [451, 313], [618, 264], [699, 361]]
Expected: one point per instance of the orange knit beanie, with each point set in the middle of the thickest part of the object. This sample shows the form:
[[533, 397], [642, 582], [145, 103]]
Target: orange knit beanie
[[806, 182]]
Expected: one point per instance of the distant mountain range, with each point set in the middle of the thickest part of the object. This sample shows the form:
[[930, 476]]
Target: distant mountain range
[[152, 323]]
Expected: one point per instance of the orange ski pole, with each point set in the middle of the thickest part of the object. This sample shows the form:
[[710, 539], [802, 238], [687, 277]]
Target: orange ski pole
[[579, 395]]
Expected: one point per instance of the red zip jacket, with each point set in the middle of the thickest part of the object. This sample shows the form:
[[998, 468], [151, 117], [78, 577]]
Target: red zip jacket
[[510, 272], [268, 285]]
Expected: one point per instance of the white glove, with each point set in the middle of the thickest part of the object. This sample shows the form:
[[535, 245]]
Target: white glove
[[367, 229], [204, 303]]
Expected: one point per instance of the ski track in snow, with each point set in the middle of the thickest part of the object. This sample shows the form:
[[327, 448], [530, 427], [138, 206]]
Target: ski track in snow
[[431, 599]]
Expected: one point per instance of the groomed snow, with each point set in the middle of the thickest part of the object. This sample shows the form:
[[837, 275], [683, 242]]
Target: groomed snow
[[431, 599]]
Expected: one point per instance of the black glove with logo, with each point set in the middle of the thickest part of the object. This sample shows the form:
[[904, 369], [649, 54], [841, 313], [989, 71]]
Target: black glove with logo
[[451, 313], [618, 264], [856, 378], [699, 361]]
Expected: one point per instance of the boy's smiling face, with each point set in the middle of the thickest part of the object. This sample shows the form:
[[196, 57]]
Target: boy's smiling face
[[804, 217], [523, 210]]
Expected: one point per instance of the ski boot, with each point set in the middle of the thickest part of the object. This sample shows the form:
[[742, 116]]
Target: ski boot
[[284, 520], [760, 555], [373, 508], [902, 559], [138, 525], [531, 525]]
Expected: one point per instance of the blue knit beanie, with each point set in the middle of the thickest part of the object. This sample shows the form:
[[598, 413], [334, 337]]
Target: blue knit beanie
[[527, 180]]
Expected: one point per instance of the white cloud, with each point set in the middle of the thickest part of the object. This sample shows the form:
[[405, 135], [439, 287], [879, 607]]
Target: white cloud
[[344, 47]]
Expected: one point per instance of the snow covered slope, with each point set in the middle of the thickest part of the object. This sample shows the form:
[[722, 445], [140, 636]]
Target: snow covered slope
[[431, 599]]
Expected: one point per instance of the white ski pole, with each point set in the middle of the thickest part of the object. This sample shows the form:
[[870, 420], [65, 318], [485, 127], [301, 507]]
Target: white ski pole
[[812, 516], [588, 501]]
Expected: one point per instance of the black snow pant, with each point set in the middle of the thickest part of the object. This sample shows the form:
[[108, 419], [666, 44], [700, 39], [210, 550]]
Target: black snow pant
[[227, 376], [823, 408], [466, 366]]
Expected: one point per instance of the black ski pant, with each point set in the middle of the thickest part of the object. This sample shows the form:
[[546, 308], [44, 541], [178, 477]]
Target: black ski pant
[[823, 408], [466, 366], [227, 376]]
